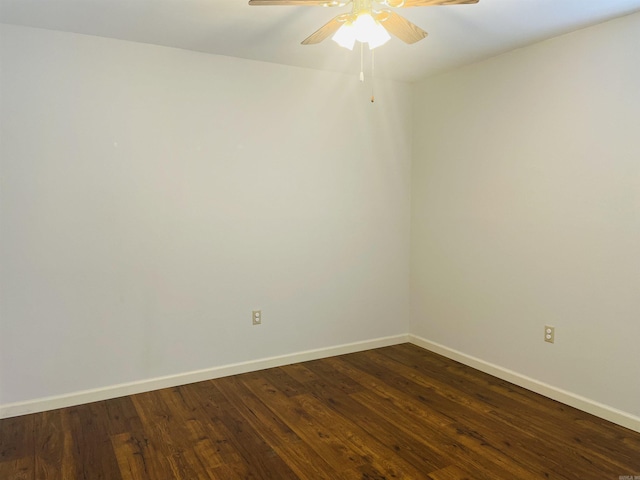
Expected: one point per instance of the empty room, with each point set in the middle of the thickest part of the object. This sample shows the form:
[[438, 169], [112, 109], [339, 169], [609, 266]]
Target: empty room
[[268, 240]]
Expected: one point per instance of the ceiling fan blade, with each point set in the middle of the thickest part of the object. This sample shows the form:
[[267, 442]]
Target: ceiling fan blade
[[427, 3], [401, 27], [319, 3], [326, 30]]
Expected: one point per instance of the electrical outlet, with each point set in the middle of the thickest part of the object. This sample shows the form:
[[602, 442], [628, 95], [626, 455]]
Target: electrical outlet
[[256, 317], [549, 334]]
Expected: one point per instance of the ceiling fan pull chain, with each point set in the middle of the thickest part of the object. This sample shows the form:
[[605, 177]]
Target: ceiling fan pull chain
[[373, 74], [362, 62]]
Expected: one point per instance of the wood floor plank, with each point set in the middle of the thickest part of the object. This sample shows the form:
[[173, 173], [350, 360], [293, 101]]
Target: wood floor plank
[[322, 373], [209, 427], [413, 406], [158, 423], [495, 392], [419, 408], [429, 396], [444, 439], [299, 455], [301, 373], [17, 469], [17, 437], [523, 410], [496, 434], [121, 416], [17, 447], [452, 472], [452, 393], [97, 455], [204, 449], [310, 430], [394, 412], [412, 448], [54, 457], [259, 456], [327, 424], [131, 457], [376, 453], [198, 448]]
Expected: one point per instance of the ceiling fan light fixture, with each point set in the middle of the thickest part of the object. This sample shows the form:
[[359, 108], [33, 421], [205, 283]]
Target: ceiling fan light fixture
[[364, 29], [379, 37], [369, 31], [345, 36]]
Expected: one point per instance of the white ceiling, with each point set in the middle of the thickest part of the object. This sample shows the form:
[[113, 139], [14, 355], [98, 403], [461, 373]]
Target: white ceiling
[[458, 34]]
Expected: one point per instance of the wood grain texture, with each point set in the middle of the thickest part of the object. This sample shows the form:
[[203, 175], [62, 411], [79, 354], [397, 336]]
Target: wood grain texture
[[328, 29], [309, 3], [397, 412], [401, 27], [429, 3]]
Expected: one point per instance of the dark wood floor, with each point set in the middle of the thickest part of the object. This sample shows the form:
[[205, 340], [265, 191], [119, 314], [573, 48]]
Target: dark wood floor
[[395, 412]]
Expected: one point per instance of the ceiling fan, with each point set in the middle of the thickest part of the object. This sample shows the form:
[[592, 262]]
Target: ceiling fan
[[370, 21]]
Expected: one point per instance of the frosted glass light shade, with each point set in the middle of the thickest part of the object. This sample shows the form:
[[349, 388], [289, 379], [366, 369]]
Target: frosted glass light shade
[[345, 36], [364, 29], [369, 31], [379, 37]]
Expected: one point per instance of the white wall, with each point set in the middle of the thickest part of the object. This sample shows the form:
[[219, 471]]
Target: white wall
[[526, 212], [152, 197]]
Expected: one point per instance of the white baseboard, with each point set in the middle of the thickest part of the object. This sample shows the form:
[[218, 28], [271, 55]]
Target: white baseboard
[[598, 409], [114, 391], [77, 398]]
